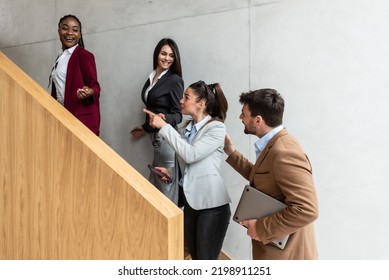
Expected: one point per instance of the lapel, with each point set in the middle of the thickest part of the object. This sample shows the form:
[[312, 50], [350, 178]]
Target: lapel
[[144, 90], [203, 129], [153, 93], [161, 81], [265, 152], [70, 73], [182, 164]]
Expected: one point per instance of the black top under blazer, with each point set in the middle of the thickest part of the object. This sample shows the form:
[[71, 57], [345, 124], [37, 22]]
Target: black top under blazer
[[164, 98]]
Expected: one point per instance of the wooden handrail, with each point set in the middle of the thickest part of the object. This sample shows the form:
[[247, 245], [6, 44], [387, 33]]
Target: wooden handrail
[[65, 194]]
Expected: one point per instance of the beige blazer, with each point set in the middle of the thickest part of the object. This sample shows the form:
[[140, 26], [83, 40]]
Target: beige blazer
[[199, 164], [284, 172]]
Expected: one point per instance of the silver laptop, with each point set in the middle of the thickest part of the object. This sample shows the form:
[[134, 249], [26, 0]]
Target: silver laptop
[[255, 204]]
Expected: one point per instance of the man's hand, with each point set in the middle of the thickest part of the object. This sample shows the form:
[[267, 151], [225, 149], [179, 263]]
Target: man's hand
[[251, 229], [229, 147]]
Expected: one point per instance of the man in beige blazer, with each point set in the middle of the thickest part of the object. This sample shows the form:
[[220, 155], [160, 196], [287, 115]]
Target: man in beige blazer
[[283, 171]]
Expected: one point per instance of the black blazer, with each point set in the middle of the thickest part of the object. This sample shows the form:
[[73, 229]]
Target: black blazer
[[164, 98]]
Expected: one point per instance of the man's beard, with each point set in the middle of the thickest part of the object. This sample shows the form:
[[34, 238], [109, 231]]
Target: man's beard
[[247, 131]]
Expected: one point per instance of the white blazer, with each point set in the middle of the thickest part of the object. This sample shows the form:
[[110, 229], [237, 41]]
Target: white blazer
[[199, 163]]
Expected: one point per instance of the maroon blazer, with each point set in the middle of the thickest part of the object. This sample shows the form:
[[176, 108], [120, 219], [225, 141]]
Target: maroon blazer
[[82, 72]]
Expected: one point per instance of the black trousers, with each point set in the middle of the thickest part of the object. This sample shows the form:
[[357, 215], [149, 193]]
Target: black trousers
[[204, 230]]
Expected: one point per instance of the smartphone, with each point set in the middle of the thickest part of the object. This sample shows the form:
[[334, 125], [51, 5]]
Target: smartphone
[[159, 173]]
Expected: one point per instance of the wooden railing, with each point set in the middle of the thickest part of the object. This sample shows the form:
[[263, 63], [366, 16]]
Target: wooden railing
[[64, 194]]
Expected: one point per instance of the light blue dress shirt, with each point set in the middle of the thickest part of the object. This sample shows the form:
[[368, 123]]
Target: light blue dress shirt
[[262, 142], [192, 129]]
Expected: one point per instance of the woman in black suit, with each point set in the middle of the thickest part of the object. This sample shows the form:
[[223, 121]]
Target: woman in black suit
[[161, 94]]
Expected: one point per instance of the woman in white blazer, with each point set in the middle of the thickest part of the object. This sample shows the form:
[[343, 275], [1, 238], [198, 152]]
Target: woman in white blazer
[[199, 150]]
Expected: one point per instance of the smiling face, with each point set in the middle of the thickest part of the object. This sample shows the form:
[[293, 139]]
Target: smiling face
[[248, 120], [69, 32], [165, 58]]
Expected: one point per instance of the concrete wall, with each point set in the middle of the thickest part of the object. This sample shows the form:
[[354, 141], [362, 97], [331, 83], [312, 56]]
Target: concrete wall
[[327, 57]]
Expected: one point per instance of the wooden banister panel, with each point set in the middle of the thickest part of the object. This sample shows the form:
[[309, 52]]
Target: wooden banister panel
[[64, 194]]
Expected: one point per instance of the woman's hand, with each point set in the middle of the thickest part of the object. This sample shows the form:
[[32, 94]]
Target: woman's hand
[[156, 121], [166, 179], [162, 116], [84, 92], [137, 132]]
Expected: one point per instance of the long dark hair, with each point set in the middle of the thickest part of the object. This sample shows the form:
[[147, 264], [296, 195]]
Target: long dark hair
[[176, 67], [81, 41], [216, 104]]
